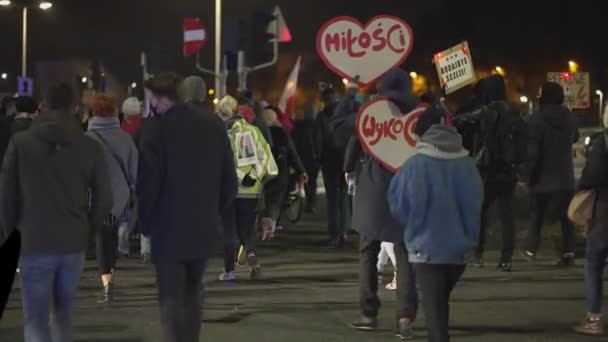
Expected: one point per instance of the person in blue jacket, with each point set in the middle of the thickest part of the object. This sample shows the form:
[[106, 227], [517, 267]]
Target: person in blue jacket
[[437, 195]]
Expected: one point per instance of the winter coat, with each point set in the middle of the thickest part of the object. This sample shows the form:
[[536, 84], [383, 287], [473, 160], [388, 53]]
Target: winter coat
[[186, 180], [251, 173], [285, 156], [131, 124], [54, 186], [552, 131], [371, 214], [21, 124], [304, 140], [121, 156], [437, 195], [595, 177], [325, 146]]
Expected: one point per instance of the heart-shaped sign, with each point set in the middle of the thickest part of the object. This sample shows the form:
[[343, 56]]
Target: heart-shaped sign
[[351, 50], [386, 133]]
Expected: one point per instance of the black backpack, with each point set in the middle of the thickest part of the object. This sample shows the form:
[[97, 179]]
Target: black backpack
[[505, 137]]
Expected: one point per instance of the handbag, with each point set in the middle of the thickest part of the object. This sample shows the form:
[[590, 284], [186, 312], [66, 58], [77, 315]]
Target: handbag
[[580, 210]]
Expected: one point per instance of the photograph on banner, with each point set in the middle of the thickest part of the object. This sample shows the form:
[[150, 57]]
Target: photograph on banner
[[246, 153], [455, 68], [351, 49], [576, 88], [386, 133]]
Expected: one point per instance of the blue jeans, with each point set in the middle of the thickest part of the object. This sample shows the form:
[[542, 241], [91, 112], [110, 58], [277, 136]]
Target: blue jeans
[[49, 284], [597, 253]]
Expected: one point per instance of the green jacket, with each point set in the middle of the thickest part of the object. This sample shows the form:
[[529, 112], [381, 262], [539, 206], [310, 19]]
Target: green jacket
[[253, 158]]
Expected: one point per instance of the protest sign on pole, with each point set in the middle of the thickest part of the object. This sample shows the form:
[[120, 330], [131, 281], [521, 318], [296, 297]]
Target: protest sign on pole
[[576, 88], [455, 68], [353, 50], [386, 133]]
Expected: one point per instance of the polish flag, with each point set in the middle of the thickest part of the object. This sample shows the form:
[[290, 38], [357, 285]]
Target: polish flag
[[195, 36], [287, 103]]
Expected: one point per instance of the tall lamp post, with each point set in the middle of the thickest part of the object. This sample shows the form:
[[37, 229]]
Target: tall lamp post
[[43, 5], [600, 94]]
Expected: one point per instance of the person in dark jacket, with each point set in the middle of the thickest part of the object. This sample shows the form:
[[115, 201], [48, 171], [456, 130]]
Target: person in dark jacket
[[54, 191], [331, 157], [500, 178], [553, 131], [373, 220], [186, 179], [26, 109], [286, 157], [304, 139]]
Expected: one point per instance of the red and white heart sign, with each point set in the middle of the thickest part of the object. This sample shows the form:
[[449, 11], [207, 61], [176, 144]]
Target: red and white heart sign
[[386, 133], [350, 49]]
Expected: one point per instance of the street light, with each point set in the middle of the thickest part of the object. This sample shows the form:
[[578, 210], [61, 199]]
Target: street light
[[523, 99], [4, 76], [572, 66], [83, 80], [413, 75], [345, 81], [211, 92], [216, 101], [499, 70], [44, 5], [601, 96], [134, 85]]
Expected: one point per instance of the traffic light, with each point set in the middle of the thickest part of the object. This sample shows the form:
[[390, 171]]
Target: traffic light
[[255, 38]]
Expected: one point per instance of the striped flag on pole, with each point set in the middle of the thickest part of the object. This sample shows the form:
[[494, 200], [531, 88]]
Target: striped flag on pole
[[287, 103]]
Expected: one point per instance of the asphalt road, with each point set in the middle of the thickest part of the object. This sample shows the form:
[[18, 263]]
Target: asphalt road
[[309, 293]]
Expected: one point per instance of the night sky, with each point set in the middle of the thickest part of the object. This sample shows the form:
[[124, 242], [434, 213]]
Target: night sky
[[526, 37]]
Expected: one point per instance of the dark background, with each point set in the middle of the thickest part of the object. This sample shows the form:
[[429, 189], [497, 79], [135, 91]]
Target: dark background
[[527, 38]]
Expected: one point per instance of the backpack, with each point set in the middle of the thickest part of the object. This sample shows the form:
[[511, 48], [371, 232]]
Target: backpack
[[505, 140]]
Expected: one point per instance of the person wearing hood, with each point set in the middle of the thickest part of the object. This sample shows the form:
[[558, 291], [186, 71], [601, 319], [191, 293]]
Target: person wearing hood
[[54, 190], [121, 156], [483, 128], [304, 139], [373, 220], [254, 165], [331, 159], [287, 158], [553, 131], [437, 195]]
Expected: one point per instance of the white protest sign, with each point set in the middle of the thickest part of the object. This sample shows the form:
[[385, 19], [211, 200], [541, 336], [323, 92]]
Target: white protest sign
[[576, 88], [351, 49], [455, 67], [386, 133]]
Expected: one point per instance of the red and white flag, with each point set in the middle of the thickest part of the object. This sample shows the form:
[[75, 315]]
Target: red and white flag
[[195, 36], [287, 103]]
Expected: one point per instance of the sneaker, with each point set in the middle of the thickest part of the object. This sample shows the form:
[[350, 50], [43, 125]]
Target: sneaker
[[504, 266], [590, 326], [365, 324], [255, 271], [392, 286], [528, 255], [241, 259], [404, 329], [566, 260], [227, 276]]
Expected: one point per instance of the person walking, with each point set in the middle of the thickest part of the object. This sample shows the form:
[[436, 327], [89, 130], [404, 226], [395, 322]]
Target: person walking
[[499, 143], [331, 157], [304, 140], [595, 178], [122, 157], [186, 180], [253, 163], [372, 219], [54, 190], [287, 158], [437, 195], [553, 131], [132, 123]]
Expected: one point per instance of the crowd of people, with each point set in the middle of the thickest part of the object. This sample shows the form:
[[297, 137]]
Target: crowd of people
[[114, 174]]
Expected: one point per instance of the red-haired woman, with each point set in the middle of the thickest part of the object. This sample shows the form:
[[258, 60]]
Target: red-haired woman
[[121, 157]]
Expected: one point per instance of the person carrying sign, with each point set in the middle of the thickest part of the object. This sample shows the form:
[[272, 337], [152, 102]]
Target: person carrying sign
[[375, 224]]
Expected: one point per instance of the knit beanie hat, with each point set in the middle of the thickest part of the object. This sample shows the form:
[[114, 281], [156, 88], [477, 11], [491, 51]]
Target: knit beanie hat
[[432, 115], [131, 107]]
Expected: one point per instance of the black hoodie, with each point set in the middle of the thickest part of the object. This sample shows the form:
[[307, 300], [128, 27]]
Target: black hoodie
[[54, 186]]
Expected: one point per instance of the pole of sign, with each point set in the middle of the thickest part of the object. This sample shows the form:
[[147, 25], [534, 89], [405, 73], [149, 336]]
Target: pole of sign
[[241, 72], [24, 44], [146, 76], [218, 43], [601, 96]]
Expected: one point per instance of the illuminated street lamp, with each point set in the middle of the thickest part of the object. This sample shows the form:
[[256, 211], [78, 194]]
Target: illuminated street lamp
[[4, 76], [44, 5], [499, 70], [414, 75], [83, 80], [216, 101], [573, 66], [524, 99], [211, 92], [134, 85], [345, 82]]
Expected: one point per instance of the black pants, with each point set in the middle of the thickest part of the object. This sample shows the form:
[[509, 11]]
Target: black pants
[[9, 260], [275, 194], [106, 245], [553, 206], [337, 202], [310, 187], [180, 286], [436, 283], [240, 220], [501, 193], [407, 297]]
